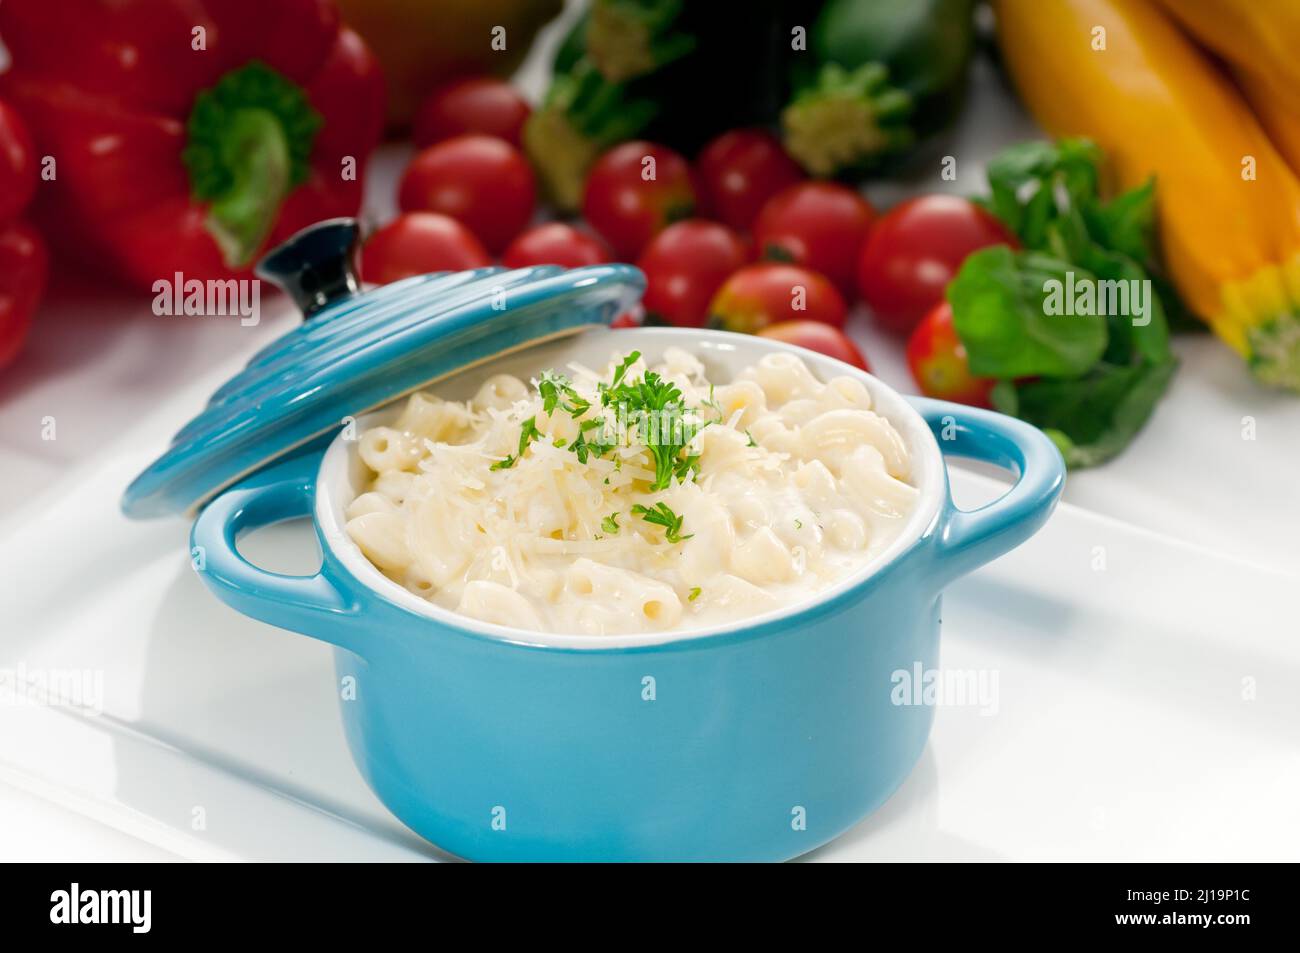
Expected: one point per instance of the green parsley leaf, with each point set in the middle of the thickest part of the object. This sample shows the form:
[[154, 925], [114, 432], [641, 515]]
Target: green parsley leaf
[[661, 515], [650, 405], [712, 404], [527, 434], [553, 387], [688, 464], [622, 368], [585, 448]]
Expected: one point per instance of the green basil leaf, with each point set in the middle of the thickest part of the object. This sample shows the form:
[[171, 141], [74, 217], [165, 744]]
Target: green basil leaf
[[1090, 383], [1025, 179], [1093, 418], [1137, 327], [1040, 188], [1126, 224], [1001, 315]]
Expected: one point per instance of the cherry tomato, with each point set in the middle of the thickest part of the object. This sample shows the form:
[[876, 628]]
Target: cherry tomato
[[937, 359], [634, 191], [739, 171], [818, 337], [555, 243], [17, 164], [820, 225], [768, 292], [627, 319], [915, 250], [480, 104], [481, 181], [24, 266], [417, 243], [684, 266]]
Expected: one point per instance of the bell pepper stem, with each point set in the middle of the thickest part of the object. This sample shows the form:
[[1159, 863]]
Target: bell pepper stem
[[257, 154], [249, 144]]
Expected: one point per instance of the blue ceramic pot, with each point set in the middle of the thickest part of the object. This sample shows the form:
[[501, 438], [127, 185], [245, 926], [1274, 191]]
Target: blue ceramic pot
[[758, 741]]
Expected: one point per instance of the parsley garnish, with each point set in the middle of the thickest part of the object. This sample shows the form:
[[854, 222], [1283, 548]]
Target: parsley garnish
[[584, 447], [688, 464], [528, 434], [553, 387], [694, 594], [661, 515], [751, 439], [712, 404], [653, 405], [619, 372]]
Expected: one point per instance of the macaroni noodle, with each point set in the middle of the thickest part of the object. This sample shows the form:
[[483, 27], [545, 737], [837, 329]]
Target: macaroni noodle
[[632, 499]]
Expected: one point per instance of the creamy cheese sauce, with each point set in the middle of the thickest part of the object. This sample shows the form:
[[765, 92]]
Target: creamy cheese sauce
[[632, 499]]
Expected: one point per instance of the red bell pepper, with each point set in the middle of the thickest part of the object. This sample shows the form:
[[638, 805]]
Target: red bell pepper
[[189, 135], [24, 262]]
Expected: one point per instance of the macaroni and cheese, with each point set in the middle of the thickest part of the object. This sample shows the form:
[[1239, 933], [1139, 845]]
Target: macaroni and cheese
[[632, 498]]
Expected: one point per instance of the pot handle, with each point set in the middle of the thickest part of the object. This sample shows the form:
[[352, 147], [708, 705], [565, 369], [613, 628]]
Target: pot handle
[[314, 605], [968, 539]]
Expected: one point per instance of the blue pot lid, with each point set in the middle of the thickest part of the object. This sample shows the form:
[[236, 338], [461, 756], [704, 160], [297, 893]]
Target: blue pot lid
[[359, 351]]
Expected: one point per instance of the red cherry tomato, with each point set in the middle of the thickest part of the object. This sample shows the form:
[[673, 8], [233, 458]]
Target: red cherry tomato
[[472, 104], [820, 225], [818, 337], [768, 292], [481, 181], [684, 266], [634, 191], [739, 171], [417, 243], [915, 250], [937, 359], [24, 266], [17, 164], [555, 243], [625, 320]]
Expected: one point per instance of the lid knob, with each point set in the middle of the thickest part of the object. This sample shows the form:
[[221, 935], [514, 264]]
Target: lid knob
[[316, 266]]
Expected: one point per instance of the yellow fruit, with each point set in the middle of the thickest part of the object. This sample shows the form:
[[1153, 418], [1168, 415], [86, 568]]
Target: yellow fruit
[[1123, 74], [1258, 39]]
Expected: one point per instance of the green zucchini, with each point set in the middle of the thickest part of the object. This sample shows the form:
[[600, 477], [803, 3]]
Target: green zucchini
[[879, 76], [696, 69]]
